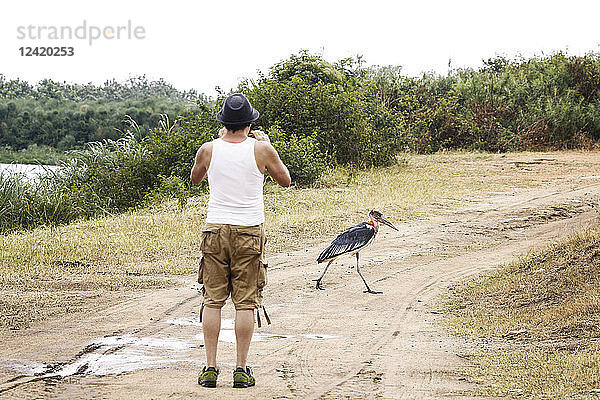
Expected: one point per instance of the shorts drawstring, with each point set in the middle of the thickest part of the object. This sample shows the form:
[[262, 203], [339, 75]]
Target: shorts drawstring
[[267, 318], [266, 315]]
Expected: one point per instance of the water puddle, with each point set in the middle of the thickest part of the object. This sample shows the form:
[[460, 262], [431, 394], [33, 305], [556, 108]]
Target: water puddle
[[113, 355], [185, 321], [319, 336], [226, 323], [227, 334], [24, 367]]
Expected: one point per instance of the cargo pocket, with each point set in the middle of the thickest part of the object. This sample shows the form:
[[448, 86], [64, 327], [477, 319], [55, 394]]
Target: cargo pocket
[[262, 275], [210, 240], [262, 261], [248, 241], [201, 271]]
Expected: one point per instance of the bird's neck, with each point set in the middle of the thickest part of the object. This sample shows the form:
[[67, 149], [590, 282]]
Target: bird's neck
[[374, 224]]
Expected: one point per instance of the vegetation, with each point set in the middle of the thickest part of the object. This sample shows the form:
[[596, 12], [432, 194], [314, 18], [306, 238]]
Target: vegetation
[[331, 108], [33, 154], [543, 314], [66, 116], [105, 178], [506, 105], [355, 114], [142, 136]]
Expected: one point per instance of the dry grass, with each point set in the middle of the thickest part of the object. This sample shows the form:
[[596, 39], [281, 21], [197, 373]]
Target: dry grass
[[149, 247], [540, 318], [536, 374]]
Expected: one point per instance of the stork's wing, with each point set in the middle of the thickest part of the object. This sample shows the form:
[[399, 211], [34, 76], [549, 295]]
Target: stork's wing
[[348, 241]]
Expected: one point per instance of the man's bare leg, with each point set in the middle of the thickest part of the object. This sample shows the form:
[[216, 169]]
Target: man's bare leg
[[211, 326], [244, 328]]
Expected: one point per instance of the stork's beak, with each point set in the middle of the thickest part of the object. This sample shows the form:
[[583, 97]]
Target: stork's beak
[[388, 223]]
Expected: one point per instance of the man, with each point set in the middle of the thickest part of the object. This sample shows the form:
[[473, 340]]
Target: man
[[233, 239]]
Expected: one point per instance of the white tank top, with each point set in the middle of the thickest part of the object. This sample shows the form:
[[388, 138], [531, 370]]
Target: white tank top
[[235, 185]]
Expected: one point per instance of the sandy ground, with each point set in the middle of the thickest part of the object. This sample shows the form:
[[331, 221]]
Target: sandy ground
[[339, 343]]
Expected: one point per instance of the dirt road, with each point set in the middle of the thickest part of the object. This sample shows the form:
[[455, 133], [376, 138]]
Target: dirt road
[[333, 344]]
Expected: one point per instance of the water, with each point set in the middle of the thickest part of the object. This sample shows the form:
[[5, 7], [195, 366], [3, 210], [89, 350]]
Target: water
[[113, 355], [227, 333], [29, 171]]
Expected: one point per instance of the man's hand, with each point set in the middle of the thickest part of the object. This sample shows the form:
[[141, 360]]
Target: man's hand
[[260, 135]]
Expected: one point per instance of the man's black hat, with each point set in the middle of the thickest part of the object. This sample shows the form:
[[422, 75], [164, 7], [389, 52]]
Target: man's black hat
[[237, 110]]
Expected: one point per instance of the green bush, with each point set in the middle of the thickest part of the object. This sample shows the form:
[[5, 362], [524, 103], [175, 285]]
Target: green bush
[[108, 176], [304, 95], [25, 204], [174, 146], [169, 187], [302, 156], [105, 177]]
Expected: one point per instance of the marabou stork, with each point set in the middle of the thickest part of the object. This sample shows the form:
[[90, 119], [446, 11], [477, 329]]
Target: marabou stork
[[351, 242]]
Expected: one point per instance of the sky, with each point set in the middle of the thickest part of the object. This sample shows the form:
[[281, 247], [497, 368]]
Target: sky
[[200, 45]]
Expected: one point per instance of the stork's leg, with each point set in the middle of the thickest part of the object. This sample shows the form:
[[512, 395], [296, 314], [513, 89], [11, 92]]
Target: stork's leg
[[322, 275], [363, 278]]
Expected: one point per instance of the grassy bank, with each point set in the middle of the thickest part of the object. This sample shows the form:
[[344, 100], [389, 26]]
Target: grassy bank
[[539, 320], [33, 154], [46, 270]]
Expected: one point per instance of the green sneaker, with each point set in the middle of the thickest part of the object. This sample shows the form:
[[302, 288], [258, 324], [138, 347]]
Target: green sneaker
[[243, 378], [208, 377]]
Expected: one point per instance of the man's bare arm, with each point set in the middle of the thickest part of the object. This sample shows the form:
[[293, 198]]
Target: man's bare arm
[[270, 159], [201, 163]]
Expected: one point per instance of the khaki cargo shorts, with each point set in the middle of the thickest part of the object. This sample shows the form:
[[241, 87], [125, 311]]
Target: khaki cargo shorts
[[233, 264]]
